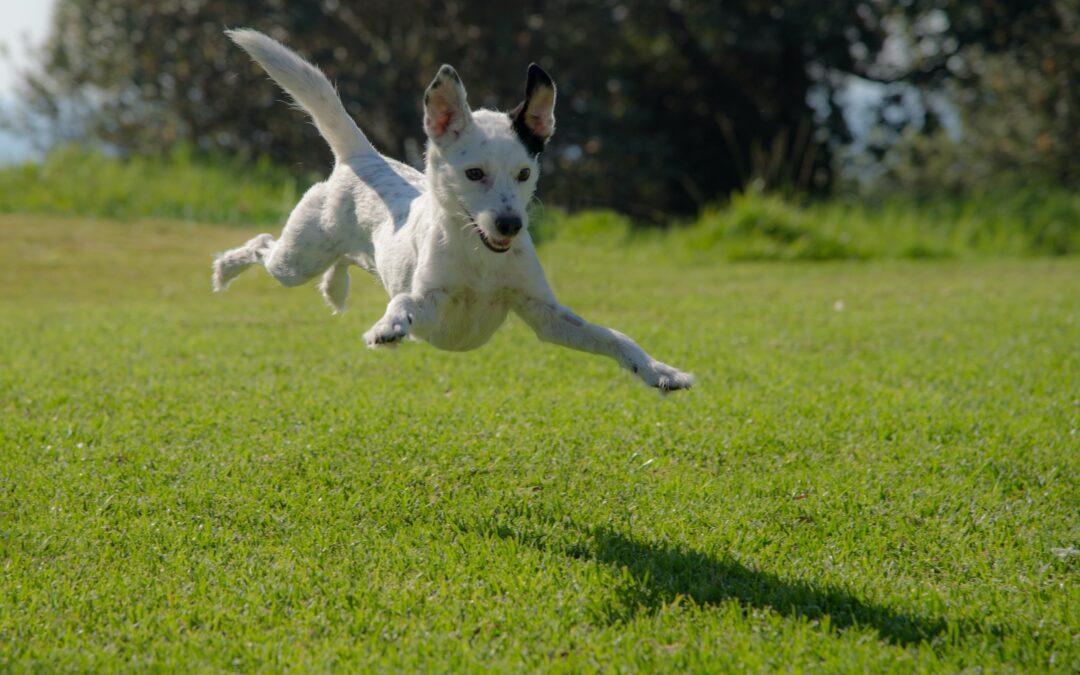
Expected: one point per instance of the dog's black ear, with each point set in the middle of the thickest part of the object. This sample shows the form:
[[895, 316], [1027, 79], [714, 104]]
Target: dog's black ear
[[534, 118], [446, 110]]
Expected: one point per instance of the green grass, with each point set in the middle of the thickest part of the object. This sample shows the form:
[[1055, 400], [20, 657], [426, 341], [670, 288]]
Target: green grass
[[752, 226], [877, 470]]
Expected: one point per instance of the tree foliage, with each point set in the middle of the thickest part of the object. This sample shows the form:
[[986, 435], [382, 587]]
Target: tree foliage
[[663, 106]]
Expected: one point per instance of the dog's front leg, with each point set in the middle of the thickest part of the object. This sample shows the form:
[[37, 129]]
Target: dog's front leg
[[555, 323], [403, 313]]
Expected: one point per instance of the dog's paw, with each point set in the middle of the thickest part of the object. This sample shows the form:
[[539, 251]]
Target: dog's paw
[[665, 378], [386, 333]]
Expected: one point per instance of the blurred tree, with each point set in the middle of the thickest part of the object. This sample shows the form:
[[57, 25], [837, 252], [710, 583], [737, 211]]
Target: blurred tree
[[1020, 111], [663, 106]]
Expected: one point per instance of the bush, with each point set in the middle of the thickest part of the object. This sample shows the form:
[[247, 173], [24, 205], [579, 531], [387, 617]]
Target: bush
[[763, 227]]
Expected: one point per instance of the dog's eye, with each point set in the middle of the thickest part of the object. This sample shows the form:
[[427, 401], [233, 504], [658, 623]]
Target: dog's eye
[[474, 174], [523, 175]]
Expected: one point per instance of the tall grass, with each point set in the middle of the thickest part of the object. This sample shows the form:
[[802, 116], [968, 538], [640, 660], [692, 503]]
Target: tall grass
[[751, 226], [72, 181], [756, 226]]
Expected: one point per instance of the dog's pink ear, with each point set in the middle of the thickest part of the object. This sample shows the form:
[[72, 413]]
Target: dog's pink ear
[[534, 118], [446, 111]]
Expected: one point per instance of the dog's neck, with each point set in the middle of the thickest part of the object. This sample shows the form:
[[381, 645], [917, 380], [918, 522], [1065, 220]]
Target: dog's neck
[[443, 204]]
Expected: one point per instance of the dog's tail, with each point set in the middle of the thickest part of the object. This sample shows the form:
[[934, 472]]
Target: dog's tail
[[309, 88]]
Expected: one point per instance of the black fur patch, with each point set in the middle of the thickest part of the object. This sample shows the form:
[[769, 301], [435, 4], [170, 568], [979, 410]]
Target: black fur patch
[[533, 144]]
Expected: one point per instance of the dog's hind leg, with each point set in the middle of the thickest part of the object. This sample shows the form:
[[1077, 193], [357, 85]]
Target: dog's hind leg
[[335, 286], [304, 250], [307, 246], [229, 264]]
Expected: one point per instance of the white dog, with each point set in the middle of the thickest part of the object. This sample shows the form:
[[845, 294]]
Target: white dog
[[450, 245]]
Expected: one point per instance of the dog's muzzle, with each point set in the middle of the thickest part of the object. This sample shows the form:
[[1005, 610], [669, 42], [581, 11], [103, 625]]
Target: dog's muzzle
[[507, 226], [493, 243]]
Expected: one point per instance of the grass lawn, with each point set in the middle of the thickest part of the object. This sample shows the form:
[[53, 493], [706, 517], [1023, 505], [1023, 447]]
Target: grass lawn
[[878, 468]]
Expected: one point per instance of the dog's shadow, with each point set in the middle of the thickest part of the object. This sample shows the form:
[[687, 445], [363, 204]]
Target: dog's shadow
[[662, 573]]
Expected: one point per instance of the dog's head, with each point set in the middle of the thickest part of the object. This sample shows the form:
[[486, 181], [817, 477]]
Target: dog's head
[[484, 164]]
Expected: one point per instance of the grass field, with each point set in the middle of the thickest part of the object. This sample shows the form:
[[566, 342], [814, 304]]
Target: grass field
[[877, 470]]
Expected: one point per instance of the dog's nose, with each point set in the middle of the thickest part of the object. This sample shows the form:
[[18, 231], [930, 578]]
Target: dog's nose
[[508, 226]]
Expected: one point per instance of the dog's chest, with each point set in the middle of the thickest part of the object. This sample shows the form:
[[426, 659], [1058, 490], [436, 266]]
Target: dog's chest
[[467, 318]]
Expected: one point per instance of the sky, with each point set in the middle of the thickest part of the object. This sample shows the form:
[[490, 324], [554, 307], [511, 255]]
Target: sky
[[23, 22]]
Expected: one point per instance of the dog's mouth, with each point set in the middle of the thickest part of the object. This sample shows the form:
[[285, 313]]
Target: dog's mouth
[[493, 243]]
